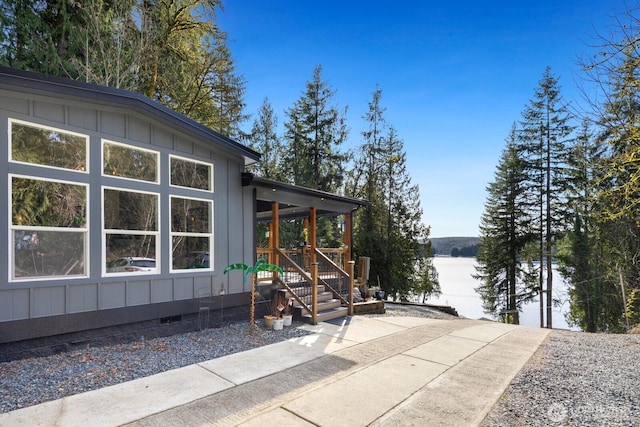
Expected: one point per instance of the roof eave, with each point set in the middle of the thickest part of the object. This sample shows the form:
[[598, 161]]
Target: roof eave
[[36, 83]]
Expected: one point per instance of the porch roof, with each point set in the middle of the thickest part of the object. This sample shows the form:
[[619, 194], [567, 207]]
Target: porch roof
[[294, 201]]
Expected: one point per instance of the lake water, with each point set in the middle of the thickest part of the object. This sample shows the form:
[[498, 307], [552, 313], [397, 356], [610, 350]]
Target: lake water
[[458, 286]]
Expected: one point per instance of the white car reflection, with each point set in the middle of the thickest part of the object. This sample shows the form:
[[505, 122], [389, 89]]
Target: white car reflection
[[131, 264]]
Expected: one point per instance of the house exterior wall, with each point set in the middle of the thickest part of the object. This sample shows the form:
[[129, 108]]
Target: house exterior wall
[[47, 306]]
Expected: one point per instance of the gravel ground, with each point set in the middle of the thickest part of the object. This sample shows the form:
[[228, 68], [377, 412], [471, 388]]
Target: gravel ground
[[575, 379], [35, 380]]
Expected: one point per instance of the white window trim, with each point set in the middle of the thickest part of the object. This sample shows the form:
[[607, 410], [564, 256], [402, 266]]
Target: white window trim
[[54, 129], [211, 171], [13, 228], [106, 231], [131, 147], [209, 235]]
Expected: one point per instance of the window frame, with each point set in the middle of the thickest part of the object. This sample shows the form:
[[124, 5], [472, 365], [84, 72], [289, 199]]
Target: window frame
[[105, 141], [87, 144], [209, 235], [106, 231], [186, 159], [13, 228]]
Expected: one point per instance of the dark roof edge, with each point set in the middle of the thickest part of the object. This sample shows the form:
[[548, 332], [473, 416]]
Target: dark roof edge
[[92, 92], [277, 185]]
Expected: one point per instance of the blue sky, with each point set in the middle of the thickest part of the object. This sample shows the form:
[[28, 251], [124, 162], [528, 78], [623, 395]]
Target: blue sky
[[454, 75]]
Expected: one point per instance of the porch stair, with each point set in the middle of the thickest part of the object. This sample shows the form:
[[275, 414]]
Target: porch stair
[[329, 308]]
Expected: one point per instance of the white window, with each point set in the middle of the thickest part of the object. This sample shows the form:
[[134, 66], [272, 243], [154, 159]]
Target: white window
[[191, 233], [48, 228], [189, 173], [124, 161], [130, 231], [47, 146]]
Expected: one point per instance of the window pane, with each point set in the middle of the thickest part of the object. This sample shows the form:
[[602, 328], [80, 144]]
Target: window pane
[[190, 216], [48, 253], [48, 147], [42, 203], [128, 162], [131, 253], [185, 173], [128, 210], [190, 252]]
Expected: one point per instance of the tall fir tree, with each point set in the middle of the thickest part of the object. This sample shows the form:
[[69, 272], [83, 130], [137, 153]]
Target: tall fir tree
[[545, 132], [390, 230], [403, 231], [580, 252], [264, 139], [365, 181], [505, 231], [315, 132]]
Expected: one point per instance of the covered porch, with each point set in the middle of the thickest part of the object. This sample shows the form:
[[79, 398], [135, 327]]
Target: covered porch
[[319, 274]]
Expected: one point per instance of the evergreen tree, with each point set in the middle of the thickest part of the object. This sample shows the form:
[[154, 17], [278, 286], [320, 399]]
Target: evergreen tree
[[173, 52], [389, 231], [315, 132], [366, 181], [505, 231], [264, 139], [37, 36], [580, 254], [543, 138], [403, 230], [617, 73]]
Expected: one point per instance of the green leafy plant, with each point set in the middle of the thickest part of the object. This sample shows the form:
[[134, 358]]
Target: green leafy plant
[[260, 265]]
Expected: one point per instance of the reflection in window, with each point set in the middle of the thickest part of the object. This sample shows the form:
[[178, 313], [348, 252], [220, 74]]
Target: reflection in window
[[191, 174], [129, 162], [43, 203], [48, 225], [129, 210], [38, 253], [191, 233], [190, 252], [131, 229], [190, 215], [132, 250], [45, 146]]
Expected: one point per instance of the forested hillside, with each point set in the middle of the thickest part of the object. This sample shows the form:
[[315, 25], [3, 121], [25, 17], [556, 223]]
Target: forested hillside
[[452, 245]]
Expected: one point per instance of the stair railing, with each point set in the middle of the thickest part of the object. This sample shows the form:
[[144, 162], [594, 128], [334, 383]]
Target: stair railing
[[303, 285], [300, 284], [338, 281]]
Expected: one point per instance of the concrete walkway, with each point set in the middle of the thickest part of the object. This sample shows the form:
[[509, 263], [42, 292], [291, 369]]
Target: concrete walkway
[[379, 371]]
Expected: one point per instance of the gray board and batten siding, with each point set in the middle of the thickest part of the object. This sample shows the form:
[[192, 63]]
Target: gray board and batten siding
[[43, 306]]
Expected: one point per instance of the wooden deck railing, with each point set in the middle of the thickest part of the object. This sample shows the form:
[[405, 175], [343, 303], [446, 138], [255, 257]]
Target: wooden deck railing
[[301, 277]]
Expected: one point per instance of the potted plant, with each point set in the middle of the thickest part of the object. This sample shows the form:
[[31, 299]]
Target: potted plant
[[268, 321], [260, 265]]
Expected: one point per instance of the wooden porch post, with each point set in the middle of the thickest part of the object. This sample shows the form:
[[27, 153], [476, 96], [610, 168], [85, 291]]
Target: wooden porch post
[[347, 237], [314, 293], [350, 270], [270, 244], [305, 226], [275, 242], [312, 234]]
